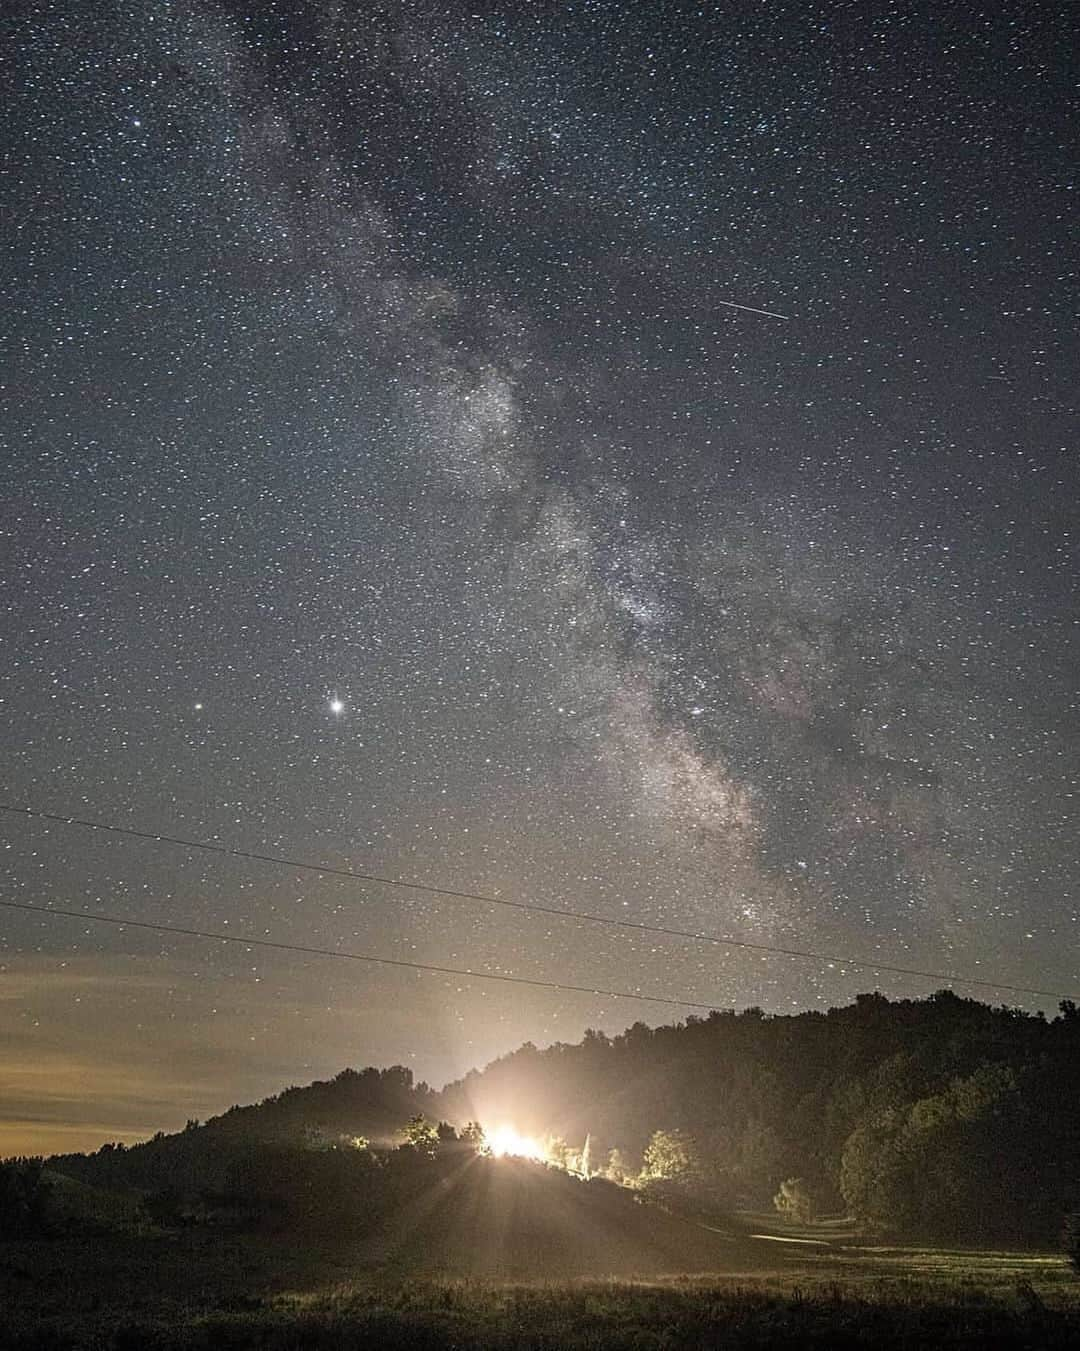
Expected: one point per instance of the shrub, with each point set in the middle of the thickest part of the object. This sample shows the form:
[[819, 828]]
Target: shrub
[[794, 1201]]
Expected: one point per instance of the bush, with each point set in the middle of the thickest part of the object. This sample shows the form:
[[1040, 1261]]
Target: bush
[[794, 1201]]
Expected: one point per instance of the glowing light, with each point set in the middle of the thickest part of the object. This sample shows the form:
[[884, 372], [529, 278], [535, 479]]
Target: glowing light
[[336, 706], [506, 1140]]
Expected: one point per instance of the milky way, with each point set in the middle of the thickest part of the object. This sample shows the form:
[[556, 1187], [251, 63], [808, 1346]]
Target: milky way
[[618, 456]]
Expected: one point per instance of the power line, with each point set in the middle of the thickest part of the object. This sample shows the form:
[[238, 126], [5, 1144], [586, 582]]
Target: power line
[[303, 865], [118, 920]]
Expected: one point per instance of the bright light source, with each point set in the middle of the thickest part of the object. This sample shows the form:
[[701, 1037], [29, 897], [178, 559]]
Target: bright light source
[[506, 1140]]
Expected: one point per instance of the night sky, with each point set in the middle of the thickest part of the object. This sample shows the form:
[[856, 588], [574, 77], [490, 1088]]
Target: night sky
[[392, 481]]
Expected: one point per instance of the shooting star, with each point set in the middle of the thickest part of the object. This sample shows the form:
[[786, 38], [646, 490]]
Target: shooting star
[[771, 313]]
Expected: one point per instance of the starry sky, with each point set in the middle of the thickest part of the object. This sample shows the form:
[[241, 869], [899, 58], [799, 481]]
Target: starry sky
[[393, 481]]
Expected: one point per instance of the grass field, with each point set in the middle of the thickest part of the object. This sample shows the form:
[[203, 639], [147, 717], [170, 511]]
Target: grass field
[[515, 1257], [200, 1291]]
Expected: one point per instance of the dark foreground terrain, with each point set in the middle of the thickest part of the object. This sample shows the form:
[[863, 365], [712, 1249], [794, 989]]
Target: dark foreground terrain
[[704, 1312], [504, 1278]]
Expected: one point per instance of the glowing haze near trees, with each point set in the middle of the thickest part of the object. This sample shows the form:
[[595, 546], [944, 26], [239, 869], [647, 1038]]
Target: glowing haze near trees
[[610, 455], [504, 1140]]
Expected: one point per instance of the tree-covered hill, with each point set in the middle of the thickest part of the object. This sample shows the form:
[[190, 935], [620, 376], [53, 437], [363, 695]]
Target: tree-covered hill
[[371, 1104], [941, 1117]]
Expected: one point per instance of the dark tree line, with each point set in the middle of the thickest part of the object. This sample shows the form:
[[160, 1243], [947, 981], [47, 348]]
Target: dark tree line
[[368, 1104], [939, 1118]]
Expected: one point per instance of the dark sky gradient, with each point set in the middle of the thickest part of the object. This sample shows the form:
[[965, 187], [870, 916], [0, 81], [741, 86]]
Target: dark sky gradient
[[385, 354]]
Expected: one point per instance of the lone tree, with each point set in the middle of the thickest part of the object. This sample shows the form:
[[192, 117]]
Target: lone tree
[[422, 1136], [670, 1156], [794, 1201], [672, 1173]]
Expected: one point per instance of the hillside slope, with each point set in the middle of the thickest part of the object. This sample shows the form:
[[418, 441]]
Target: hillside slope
[[512, 1218], [941, 1118]]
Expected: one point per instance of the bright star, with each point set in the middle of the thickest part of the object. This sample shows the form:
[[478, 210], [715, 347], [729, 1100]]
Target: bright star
[[336, 706]]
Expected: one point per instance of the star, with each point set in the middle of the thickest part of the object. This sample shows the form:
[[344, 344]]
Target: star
[[643, 604]]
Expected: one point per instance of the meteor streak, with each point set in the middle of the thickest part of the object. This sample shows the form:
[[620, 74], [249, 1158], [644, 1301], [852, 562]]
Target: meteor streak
[[750, 309]]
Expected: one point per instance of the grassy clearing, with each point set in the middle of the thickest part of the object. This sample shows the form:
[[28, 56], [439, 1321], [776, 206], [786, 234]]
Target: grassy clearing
[[507, 1263], [617, 1315], [194, 1292]]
